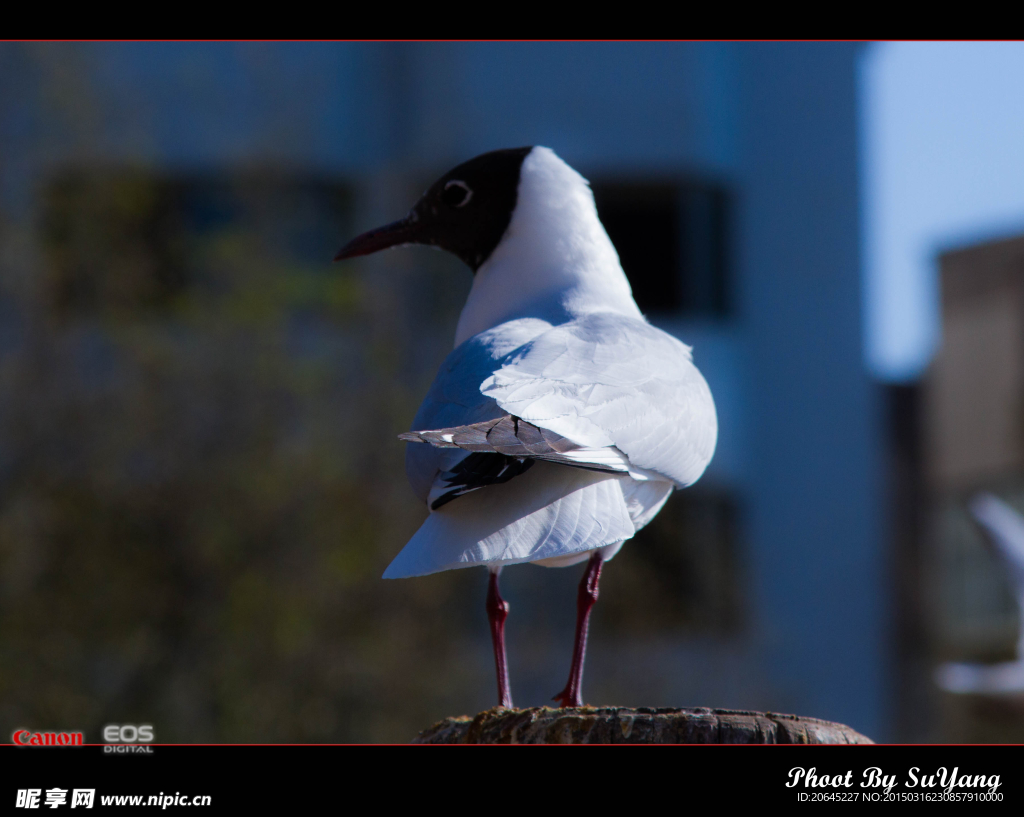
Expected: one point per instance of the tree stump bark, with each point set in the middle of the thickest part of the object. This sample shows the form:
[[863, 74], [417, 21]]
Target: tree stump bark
[[626, 725]]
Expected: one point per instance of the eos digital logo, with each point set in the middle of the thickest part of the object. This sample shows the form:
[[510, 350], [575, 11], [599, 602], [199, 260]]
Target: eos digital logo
[[126, 737]]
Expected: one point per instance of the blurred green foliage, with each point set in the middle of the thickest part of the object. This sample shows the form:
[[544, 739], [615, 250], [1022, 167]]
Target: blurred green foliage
[[199, 483], [202, 484]]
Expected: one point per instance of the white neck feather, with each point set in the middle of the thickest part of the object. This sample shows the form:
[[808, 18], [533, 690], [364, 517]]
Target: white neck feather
[[555, 262]]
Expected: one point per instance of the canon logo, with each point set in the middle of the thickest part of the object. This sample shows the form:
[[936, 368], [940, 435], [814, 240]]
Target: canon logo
[[26, 737], [128, 733]]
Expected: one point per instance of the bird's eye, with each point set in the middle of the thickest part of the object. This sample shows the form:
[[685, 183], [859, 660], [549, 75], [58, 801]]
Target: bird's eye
[[456, 194]]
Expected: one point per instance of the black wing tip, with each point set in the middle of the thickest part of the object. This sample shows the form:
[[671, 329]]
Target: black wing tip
[[444, 499], [479, 470]]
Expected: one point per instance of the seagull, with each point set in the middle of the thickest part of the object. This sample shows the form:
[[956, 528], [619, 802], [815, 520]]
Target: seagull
[[562, 421], [1004, 528]]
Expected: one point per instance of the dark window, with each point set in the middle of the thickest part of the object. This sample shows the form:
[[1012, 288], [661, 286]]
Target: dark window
[[680, 572], [122, 243], [672, 239]]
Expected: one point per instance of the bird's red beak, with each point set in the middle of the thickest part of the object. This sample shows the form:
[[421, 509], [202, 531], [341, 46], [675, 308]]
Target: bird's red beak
[[405, 231]]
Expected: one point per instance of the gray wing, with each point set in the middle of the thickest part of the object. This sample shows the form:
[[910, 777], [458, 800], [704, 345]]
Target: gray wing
[[514, 437], [605, 392], [501, 449], [505, 435], [455, 400], [607, 380]]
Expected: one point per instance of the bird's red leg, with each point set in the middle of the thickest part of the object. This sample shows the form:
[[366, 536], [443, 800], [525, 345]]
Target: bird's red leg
[[572, 695], [497, 612]]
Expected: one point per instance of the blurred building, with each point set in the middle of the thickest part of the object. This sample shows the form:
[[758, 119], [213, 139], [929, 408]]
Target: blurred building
[[960, 431], [197, 401]]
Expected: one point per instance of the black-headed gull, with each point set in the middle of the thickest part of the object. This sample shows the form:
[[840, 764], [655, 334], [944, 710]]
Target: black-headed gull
[[1004, 528], [562, 421]]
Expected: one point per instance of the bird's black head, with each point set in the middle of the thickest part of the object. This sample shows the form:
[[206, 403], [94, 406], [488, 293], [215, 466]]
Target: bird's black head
[[466, 211]]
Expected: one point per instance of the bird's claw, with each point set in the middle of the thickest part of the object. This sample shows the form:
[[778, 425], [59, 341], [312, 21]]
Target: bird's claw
[[566, 699]]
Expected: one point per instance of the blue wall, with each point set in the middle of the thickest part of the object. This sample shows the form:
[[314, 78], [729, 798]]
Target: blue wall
[[814, 424]]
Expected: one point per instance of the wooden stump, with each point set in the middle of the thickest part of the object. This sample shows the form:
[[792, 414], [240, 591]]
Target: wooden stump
[[626, 725]]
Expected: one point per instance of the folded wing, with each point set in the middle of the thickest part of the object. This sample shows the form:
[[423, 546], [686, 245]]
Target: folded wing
[[455, 399], [605, 392], [608, 380]]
